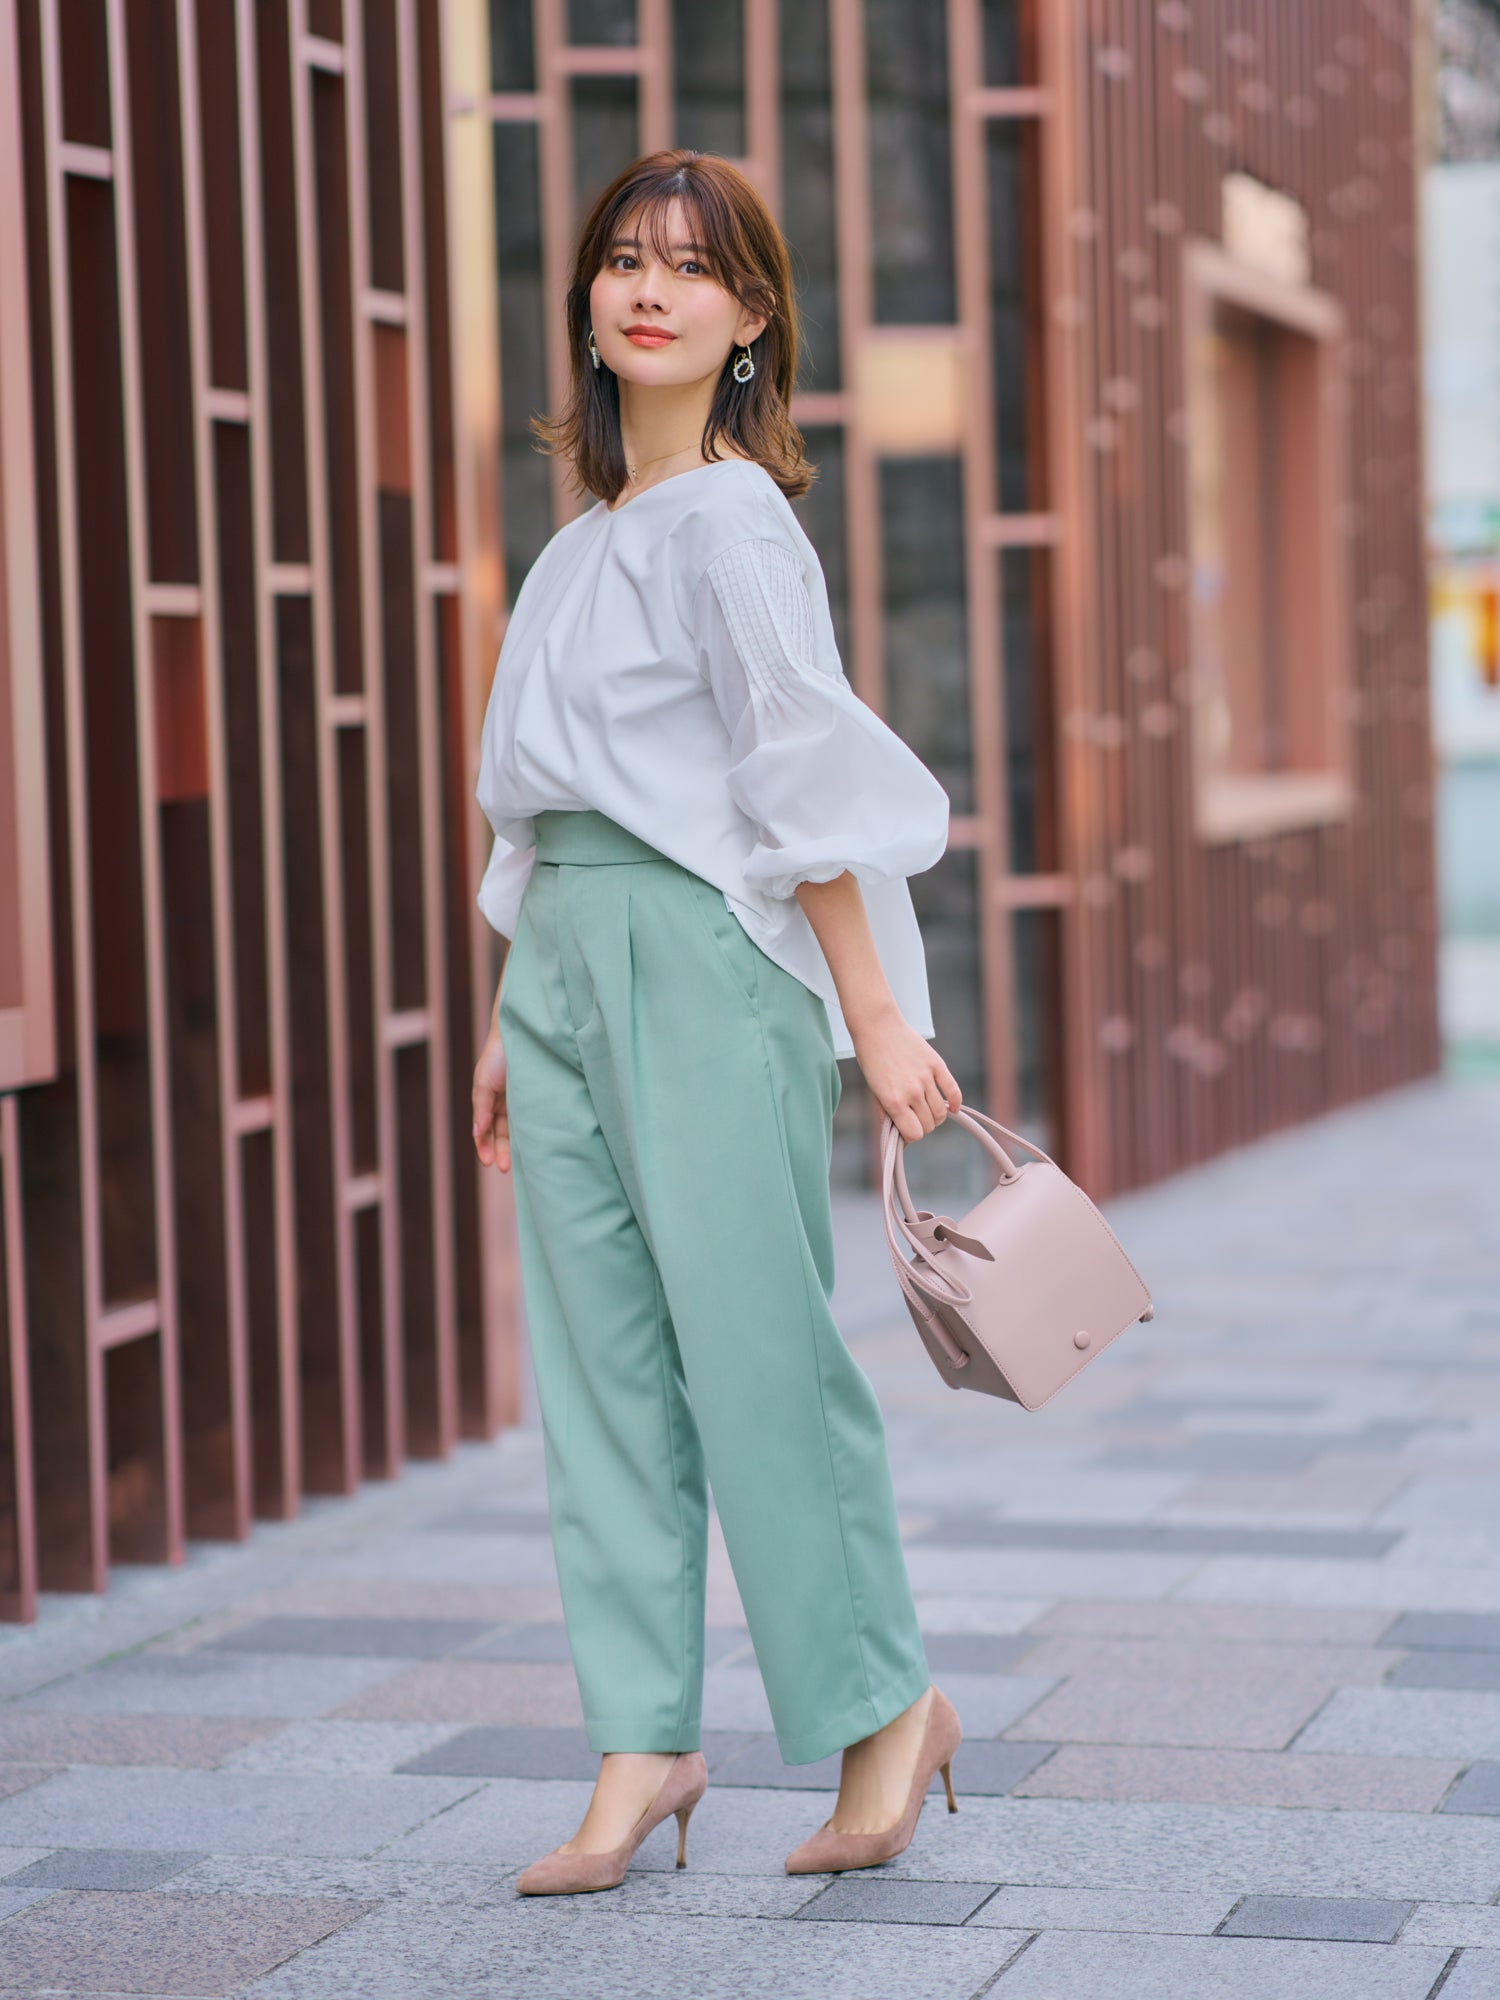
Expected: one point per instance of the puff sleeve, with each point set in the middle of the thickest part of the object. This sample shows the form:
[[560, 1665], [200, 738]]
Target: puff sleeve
[[826, 783], [504, 884]]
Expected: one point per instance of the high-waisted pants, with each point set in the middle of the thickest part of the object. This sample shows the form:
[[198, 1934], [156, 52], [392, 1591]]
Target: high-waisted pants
[[671, 1092]]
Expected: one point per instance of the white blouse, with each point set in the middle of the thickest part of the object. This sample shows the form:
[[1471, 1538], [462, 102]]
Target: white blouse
[[673, 665]]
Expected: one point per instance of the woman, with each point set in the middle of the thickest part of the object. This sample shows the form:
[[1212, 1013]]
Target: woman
[[702, 839]]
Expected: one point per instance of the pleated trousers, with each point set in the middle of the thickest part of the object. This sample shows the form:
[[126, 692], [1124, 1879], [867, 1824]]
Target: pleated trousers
[[671, 1093]]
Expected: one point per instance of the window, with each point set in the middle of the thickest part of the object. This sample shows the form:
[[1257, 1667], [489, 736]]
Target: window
[[1266, 468]]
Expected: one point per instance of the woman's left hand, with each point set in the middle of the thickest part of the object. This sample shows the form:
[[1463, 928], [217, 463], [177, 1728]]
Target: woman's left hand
[[906, 1075]]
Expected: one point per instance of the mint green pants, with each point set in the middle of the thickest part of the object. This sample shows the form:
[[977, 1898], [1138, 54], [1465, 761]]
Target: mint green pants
[[671, 1093]]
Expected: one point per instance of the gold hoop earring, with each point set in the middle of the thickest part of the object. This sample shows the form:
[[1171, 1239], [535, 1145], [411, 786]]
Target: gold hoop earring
[[593, 346], [744, 368]]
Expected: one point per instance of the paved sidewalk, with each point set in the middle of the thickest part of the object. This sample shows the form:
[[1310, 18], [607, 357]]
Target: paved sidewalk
[[1223, 1626]]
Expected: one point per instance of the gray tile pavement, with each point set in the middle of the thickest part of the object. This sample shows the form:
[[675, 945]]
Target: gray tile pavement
[[1475, 1976], [869, 1898], [1223, 1624], [1477, 1791], [1065, 1965], [1341, 1919]]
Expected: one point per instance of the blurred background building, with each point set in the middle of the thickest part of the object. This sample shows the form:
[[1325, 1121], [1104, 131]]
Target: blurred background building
[[1113, 378], [1461, 326]]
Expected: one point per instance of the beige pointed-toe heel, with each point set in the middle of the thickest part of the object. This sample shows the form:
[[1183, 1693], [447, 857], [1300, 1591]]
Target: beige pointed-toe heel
[[827, 1851], [559, 1874]]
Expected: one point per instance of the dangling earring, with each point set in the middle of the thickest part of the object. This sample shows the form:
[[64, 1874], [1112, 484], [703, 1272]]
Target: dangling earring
[[593, 348], [744, 368]]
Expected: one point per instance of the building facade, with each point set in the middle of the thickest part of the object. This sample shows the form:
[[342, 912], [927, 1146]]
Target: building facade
[[1112, 384]]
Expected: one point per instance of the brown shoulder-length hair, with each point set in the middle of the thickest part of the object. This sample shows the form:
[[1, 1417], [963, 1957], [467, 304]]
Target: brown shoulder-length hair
[[747, 255]]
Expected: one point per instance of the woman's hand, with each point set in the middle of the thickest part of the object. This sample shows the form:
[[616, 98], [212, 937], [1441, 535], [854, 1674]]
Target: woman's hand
[[906, 1075], [491, 1120]]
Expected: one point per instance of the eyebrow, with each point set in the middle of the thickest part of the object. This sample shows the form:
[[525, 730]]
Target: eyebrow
[[634, 243]]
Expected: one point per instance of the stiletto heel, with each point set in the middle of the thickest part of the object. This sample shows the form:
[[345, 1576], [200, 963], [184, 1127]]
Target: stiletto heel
[[830, 1851], [559, 1874]]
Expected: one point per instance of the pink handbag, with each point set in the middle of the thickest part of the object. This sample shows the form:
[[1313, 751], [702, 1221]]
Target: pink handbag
[[1023, 1291]]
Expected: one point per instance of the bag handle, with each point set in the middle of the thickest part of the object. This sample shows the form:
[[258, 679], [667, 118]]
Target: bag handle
[[976, 1122], [899, 1212], [939, 1281]]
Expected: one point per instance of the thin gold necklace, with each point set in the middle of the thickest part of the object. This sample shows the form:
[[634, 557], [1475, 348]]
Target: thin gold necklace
[[632, 472]]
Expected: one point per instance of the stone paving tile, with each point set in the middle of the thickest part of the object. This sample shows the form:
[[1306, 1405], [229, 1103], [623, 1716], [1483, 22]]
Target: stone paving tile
[[513, 1692], [1028, 1490], [945, 1613], [1448, 1499], [12, 1900], [1212, 1714], [1221, 1451], [524, 1642], [355, 1638], [491, 1521], [186, 1741], [689, 1892], [1241, 1777], [1066, 1965], [1339, 1919], [15, 1858], [1215, 1660], [973, 1652], [226, 1812], [489, 1752], [1286, 1580], [93, 1993], [1184, 1913], [870, 1899], [1049, 1572], [993, 1769], [1475, 1977], [406, 1597], [210, 1683], [1201, 1624], [1449, 1668], [1257, 1850], [550, 1642], [1407, 1722], [532, 1948], [1477, 1791], [363, 1881], [449, 1558], [21, 1777], [1333, 1483], [181, 1944], [1156, 1408], [102, 1868], [1466, 1631], [358, 1749], [1453, 1924], [964, 1531], [989, 1703]]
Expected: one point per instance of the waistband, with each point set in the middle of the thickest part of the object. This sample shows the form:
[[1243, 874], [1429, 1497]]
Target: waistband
[[589, 837]]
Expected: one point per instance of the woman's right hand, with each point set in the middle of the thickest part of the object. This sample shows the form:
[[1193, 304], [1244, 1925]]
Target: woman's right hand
[[491, 1120]]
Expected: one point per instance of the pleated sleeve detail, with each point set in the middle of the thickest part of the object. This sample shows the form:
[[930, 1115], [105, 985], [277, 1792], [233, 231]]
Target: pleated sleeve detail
[[827, 785]]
